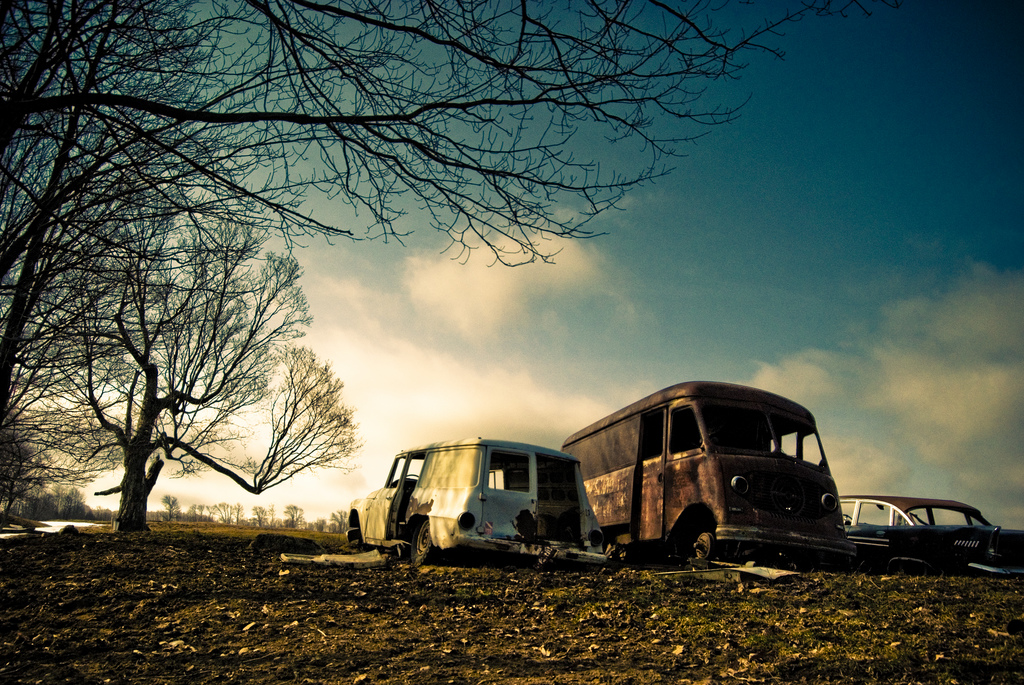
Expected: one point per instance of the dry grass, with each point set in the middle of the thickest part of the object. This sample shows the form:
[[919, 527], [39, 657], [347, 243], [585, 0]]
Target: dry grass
[[193, 603]]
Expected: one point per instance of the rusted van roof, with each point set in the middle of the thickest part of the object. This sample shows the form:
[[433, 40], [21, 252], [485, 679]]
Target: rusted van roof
[[708, 389]]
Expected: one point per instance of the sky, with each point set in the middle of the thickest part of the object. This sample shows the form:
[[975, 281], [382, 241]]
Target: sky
[[854, 241]]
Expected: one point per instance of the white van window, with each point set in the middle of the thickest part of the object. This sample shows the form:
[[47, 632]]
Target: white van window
[[415, 466], [509, 471], [458, 468]]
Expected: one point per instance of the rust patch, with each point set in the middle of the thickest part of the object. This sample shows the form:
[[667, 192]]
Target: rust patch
[[526, 525], [415, 507]]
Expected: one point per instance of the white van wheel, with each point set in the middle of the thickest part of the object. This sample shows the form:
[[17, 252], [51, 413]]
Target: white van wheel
[[421, 543]]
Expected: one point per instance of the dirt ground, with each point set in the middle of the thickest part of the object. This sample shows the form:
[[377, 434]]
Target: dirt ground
[[194, 605]]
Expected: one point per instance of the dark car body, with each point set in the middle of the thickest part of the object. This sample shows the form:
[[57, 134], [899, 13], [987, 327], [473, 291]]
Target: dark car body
[[711, 469], [921, 535]]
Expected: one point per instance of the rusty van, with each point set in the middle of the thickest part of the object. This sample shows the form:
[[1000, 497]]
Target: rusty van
[[481, 494], [713, 470]]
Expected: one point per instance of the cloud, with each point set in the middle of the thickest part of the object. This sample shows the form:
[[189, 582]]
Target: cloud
[[862, 467], [409, 389], [481, 301], [937, 386]]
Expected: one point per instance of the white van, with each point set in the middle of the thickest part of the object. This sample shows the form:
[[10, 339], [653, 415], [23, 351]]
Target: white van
[[484, 494]]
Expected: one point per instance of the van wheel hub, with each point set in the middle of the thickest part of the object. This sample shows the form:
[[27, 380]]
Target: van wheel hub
[[704, 545]]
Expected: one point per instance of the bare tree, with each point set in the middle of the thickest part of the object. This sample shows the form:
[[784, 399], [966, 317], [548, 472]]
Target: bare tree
[[293, 516], [171, 506], [469, 112], [259, 516], [28, 465], [339, 522], [184, 352], [69, 502], [22, 470], [195, 513], [224, 512]]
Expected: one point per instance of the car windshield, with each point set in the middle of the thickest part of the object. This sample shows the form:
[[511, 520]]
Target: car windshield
[[737, 428]]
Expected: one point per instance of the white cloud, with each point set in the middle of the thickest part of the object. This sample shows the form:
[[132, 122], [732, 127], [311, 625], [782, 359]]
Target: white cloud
[[939, 388], [480, 300], [863, 467]]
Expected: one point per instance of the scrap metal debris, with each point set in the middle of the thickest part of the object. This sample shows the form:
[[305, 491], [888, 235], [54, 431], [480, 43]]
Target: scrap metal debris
[[731, 573], [371, 559]]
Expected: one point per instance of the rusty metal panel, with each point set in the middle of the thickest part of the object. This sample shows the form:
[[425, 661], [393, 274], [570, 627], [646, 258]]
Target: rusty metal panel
[[611, 496]]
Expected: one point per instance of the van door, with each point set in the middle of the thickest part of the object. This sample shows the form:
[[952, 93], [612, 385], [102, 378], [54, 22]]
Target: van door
[[649, 478], [509, 506], [387, 510]]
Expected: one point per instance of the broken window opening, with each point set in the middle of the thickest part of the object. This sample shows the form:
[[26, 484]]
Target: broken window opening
[[684, 433], [509, 472], [738, 428], [797, 439], [558, 507], [652, 435]]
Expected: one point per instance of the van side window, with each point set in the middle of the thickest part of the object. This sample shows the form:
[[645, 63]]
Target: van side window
[[684, 434], [509, 472], [459, 468], [652, 431]]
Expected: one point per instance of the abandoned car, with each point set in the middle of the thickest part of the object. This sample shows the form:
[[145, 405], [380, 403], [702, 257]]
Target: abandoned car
[[929, 536], [484, 494], [713, 470]]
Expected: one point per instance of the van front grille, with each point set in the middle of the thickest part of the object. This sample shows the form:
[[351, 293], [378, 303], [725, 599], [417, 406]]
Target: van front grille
[[786, 496]]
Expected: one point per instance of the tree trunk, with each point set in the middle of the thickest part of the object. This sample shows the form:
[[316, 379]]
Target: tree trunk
[[135, 488]]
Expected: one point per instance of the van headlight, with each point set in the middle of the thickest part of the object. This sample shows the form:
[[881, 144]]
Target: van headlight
[[596, 538], [829, 502], [466, 520], [740, 484]]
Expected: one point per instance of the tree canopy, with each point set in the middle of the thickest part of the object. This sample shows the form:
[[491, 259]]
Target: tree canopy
[[477, 117]]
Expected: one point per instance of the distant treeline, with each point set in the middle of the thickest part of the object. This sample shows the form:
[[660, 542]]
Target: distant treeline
[[66, 503], [58, 503]]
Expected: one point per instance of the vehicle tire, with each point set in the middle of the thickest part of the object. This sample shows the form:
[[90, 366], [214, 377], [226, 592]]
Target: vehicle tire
[[704, 545], [422, 545]]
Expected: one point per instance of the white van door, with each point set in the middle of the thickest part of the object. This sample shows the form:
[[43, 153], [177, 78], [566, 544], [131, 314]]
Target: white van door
[[509, 502]]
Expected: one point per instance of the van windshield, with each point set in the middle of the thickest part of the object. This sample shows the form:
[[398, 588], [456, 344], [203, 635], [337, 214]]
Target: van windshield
[[797, 439], [737, 428]]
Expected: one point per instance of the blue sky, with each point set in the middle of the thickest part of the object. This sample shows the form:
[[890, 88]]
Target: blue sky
[[853, 241]]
